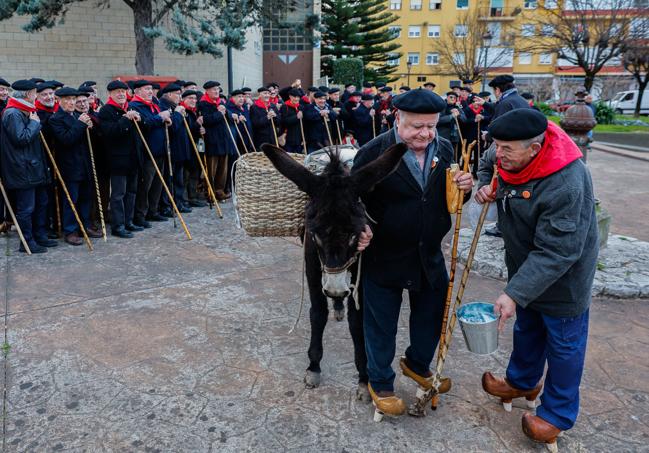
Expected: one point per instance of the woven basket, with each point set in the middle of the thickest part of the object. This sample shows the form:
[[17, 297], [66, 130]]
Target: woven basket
[[268, 204]]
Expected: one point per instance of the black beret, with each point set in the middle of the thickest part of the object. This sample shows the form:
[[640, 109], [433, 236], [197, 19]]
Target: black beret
[[419, 101], [246, 90], [467, 81], [188, 83], [116, 85], [44, 86], [131, 84], [319, 94], [483, 94], [451, 93], [405, 88], [385, 89], [170, 88], [4, 83], [211, 84], [85, 90], [313, 89], [518, 124], [356, 94], [37, 80], [501, 80], [141, 83], [323, 88], [430, 84], [236, 93], [262, 90], [379, 84], [178, 82], [67, 91], [189, 93], [295, 92], [55, 83], [347, 85], [23, 85], [89, 83], [367, 97], [155, 86], [469, 89], [367, 85], [528, 96], [334, 90], [273, 85]]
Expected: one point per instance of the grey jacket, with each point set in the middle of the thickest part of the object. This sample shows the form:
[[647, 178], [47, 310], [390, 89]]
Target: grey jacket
[[551, 240]]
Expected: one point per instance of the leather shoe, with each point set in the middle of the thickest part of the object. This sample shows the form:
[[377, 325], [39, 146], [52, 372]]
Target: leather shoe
[[426, 382], [132, 227], [33, 247], [156, 218], [386, 403], [121, 232], [94, 233], [539, 430], [197, 204], [184, 209], [501, 388], [142, 223], [73, 239], [5, 227], [167, 213], [46, 242]]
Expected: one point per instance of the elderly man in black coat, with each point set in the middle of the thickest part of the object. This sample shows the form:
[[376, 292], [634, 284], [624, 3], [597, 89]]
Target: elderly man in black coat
[[23, 165], [69, 135], [546, 212], [411, 215], [317, 118]]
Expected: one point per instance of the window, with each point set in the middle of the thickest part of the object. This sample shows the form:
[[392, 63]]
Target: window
[[545, 58], [524, 58], [432, 58], [395, 31], [461, 31], [394, 60], [530, 4], [547, 30], [462, 4], [551, 4], [414, 31], [458, 58], [395, 4], [413, 58], [415, 5], [528, 30], [640, 27], [435, 4], [433, 31], [421, 78]]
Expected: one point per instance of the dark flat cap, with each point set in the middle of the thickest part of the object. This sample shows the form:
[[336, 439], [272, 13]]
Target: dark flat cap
[[236, 93], [323, 88], [467, 81], [37, 80], [4, 83], [179, 82], [468, 89], [23, 85], [347, 85], [85, 90], [518, 124], [89, 83], [367, 97], [379, 84], [141, 83], [356, 94], [155, 86], [404, 88], [170, 88], [483, 94], [385, 89], [44, 86], [313, 89], [211, 84], [430, 84], [66, 91], [419, 101], [451, 93], [528, 96], [262, 90], [246, 90], [319, 94], [273, 85], [188, 83], [189, 93], [116, 85], [295, 92], [334, 90], [367, 85], [501, 80], [131, 84], [55, 83]]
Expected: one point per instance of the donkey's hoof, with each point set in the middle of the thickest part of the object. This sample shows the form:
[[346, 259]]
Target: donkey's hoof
[[363, 393], [311, 379], [339, 315]]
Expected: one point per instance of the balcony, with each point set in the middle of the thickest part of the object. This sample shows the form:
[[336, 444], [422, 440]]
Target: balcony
[[498, 13]]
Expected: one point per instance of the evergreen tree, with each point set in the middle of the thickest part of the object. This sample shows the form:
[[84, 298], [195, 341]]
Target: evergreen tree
[[358, 29]]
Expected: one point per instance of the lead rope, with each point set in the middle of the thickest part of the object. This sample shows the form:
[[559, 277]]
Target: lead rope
[[358, 282], [299, 314]]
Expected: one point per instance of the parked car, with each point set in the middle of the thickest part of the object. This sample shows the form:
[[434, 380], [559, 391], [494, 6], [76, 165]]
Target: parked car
[[625, 101]]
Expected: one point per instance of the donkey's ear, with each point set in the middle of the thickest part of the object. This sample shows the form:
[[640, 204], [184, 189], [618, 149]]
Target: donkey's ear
[[286, 165], [371, 174]]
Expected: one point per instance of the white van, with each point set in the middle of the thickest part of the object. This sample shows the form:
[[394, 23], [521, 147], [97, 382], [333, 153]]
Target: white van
[[624, 102]]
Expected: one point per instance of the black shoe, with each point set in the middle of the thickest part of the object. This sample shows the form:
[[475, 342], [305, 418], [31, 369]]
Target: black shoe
[[51, 234], [167, 213], [132, 227], [121, 232], [46, 242], [33, 247], [493, 231], [197, 204], [184, 209], [156, 218], [142, 223]]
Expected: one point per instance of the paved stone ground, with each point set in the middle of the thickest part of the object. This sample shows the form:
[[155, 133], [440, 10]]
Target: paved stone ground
[[161, 344]]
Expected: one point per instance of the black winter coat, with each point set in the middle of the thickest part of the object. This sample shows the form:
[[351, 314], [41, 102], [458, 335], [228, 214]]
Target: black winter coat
[[510, 102], [361, 124], [72, 153], [22, 159], [217, 138], [121, 140], [178, 138], [315, 129], [153, 128], [411, 222], [447, 127], [291, 125], [262, 126]]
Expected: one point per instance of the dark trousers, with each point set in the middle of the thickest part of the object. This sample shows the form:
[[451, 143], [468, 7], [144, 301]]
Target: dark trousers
[[177, 187], [149, 188], [123, 190], [561, 342], [2, 209], [217, 170], [80, 192], [104, 191], [294, 148], [380, 321], [31, 212], [192, 177]]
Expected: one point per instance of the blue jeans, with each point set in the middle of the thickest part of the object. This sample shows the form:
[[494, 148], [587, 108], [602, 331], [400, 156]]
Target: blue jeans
[[31, 212], [80, 192], [380, 321], [562, 343]]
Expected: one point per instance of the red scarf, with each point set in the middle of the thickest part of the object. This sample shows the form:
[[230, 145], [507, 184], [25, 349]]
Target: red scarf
[[274, 100], [112, 102], [306, 99], [214, 102], [21, 105], [43, 107], [557, 152], [476, 109], [188, 108], [259, 103], [290, 104], [154, 108]]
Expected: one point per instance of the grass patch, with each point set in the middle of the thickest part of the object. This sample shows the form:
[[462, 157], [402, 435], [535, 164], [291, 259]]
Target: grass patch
[[600, 266], [614, 127], [6, 347]]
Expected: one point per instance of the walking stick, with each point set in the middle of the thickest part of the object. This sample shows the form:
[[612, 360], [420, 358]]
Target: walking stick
[[303, 139], [245, 126], [209, 200], [243, 142], [326, 123], [162, 180], [67, 194], [476, 159], [274, 132], [373, 127], [418, 408], [57, 207], [13, 219], [203, 169], [340, 137], [94, 176], [234, 142], [459, 131], [171, 168]]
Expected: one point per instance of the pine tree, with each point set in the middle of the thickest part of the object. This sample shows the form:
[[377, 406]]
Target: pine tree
[[358, 29]]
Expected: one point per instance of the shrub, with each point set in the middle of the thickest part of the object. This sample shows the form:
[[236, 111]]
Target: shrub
[[604, 114], [545, 109], [348, 70]]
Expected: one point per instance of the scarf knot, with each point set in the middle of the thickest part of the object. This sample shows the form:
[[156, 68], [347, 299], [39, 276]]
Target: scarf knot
[[154, 108]]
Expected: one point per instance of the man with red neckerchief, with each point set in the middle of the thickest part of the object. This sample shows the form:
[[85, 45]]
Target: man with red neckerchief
[[264, 116], [546, 213], [291, 114]]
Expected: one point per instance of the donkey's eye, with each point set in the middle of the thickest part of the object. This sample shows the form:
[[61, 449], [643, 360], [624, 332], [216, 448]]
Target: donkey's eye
[[352, 239]]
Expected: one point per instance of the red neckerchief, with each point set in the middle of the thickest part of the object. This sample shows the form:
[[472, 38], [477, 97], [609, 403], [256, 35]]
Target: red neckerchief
[[558, 151], [21, 105], [274, 100], [215, 102], [188, 108], [384, 104], [477, 109], [42, 107], [290, 104], [259, 103], [112, 102], [95, 105], [154, 108], [129, 97], [306, 99]]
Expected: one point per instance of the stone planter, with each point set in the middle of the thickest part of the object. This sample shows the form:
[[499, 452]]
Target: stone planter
[[603, 223]]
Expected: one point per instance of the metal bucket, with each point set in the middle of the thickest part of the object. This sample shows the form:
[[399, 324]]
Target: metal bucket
[[479, 327]]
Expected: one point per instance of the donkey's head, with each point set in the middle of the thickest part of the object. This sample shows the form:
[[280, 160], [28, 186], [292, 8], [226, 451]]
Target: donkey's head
[[335, 215]]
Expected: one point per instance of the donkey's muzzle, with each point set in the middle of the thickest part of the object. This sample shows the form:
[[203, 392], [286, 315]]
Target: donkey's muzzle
[[336, 284]]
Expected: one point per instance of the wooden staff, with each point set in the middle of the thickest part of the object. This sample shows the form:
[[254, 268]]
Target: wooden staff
[[459, 131], [245, 126], [203, 169], [274, 131], [234, 142], [303, 139], [171, 168], [326, 123], [57, 207], [340, 137], [162, 180], [373, 126], [243, 142], [94, 176], [13, 219], [67, 194]]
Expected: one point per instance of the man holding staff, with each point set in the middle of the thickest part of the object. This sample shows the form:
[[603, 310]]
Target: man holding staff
[[546, 213]]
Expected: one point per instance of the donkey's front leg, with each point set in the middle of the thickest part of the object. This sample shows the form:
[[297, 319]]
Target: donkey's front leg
[[318, 314]]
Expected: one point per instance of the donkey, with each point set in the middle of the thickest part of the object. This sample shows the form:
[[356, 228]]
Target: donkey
[[334, 219]]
